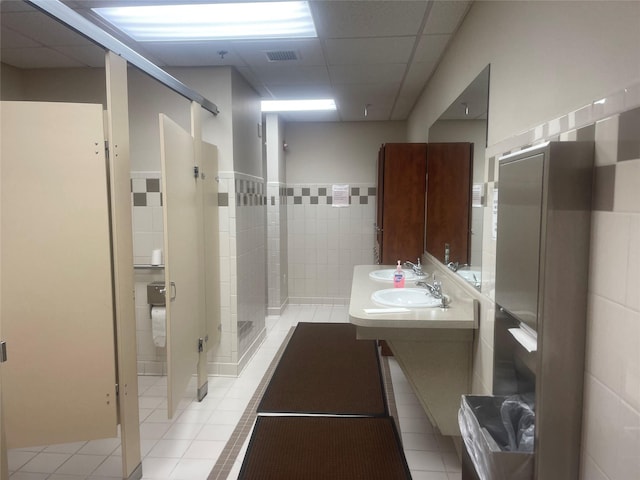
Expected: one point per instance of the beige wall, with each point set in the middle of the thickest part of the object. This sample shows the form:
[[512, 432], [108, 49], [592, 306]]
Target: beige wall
[[548, 60], [11, 87], [327, 152], [74, 85]]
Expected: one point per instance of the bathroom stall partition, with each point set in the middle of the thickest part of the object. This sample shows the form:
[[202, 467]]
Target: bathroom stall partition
[[59, 383], [189, 169]]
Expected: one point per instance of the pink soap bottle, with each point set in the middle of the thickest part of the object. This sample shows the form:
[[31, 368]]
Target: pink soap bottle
[[398, 277]]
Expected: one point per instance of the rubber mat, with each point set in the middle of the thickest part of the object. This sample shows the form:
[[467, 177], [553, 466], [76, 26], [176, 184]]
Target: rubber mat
[[326, 370], [322, 448]]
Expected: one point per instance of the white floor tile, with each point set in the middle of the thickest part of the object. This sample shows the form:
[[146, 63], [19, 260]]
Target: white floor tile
[[45, 462], [104, 446], [66, 447], [423, 441], [418, 475], [426, 461], [451, 461], [183, 431], [28, 476], [216, 432], [169, 448], [205, 449], [187, 446], [111, 467], [190, 469], [64, 476], [81, 464], [18, 458], [158, 468], [225, 417], [153, 430]]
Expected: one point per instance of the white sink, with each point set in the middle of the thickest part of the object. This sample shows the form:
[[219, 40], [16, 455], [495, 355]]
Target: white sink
[[386, 274], [471, 276], [405, 297]]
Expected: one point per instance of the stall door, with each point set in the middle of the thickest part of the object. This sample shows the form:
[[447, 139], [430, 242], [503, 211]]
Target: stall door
[[181, 200], [59, 381]]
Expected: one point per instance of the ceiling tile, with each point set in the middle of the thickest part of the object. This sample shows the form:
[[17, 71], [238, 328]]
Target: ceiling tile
[[367, 51], [307, 90], [383, 73], [284, 74], [445, 16], [309, 51], [430, 48], [9, 38], [348, 19], [40, 57], [415, 79], [403, 106], [193, 54], [361, 51], [42, 29], [353, 99], [91, 55]]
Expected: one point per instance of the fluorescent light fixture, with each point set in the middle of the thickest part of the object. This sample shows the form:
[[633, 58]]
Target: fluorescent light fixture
[[217, 21], [298, 105]]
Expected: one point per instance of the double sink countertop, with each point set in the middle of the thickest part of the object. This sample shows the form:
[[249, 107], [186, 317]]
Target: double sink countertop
[[462, 312]]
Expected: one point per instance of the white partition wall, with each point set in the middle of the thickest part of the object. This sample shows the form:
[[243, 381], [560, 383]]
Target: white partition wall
[[57, 300]]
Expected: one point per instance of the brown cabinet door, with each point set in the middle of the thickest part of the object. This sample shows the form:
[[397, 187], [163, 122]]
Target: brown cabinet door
[[449, 170], [401, 191]]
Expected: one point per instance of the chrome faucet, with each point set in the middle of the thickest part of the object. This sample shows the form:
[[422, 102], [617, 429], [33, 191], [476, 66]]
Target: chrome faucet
[[417, 268], [435, 290]]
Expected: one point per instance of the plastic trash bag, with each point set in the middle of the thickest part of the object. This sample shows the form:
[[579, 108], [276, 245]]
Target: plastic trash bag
[[487, 439], [519, 420]]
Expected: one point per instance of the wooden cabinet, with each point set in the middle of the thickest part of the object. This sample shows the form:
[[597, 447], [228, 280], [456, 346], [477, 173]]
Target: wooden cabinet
[[423, 184]]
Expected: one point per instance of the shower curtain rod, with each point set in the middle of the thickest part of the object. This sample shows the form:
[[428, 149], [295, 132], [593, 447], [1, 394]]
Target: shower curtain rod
[[75, 21]]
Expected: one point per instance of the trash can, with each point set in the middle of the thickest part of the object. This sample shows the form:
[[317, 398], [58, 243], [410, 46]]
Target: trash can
[[498, 434]]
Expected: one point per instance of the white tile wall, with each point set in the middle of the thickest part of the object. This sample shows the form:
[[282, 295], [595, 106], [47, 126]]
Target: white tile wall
[[243, 253], [147, 235], [277, 247], [147, 220], [611, 414], [325, 243]]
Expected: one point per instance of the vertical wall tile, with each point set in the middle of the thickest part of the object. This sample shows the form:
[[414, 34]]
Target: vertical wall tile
[[627, 189], [609, 255], [604, 179], [629, 135], [630, 352], [606, 332], [586, 133], [633, 266], [606, 137]]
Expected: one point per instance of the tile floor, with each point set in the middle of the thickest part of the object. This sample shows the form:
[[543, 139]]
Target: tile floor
[[188, 447]]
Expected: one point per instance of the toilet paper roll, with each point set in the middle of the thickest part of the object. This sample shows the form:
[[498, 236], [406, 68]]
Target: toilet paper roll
[[159, 326], [156, 257]]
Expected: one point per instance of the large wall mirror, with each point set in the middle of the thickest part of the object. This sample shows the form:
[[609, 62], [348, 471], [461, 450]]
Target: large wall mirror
[[466, 121]]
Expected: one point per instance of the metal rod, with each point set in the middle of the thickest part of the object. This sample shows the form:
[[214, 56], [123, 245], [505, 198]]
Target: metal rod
[[76, 22]]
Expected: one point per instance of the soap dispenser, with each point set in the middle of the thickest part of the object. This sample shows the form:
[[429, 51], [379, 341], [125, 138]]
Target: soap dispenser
[[398, 276]]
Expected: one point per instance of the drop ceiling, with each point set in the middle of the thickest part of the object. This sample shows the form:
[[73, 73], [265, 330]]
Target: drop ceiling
[[369, 53]]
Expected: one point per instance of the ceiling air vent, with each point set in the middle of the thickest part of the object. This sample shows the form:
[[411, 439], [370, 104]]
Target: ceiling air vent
[[282, 55]]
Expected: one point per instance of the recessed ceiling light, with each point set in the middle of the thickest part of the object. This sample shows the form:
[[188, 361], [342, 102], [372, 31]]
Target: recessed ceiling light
[[219, 21], [298, 105]]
